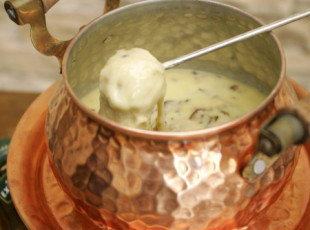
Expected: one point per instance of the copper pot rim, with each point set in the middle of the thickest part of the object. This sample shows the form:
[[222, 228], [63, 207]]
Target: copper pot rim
[[173, 135]]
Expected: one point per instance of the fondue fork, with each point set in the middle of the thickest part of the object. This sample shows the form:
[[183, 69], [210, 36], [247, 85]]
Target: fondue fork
[[279, 133], [273, 140], [238, 38]]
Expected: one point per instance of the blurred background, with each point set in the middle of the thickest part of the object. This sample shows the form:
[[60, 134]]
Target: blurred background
[[24, 69]]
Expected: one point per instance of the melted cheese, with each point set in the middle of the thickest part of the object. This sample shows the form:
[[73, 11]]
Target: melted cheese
[[196, 100]]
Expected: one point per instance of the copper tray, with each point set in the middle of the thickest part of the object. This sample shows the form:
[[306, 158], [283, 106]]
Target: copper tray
[[42, 204]]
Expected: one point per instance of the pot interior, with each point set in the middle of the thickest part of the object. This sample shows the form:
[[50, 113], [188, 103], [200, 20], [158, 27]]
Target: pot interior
[[169, 29]]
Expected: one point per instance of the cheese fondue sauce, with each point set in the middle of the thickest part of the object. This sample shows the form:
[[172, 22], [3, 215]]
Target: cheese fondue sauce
[[197, 100]]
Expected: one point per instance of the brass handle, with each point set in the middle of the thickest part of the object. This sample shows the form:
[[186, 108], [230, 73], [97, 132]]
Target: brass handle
[[33, 12], [47, 4], [111, 5]]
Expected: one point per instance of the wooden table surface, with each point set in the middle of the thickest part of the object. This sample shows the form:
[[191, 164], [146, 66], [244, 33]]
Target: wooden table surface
[[12, 107]]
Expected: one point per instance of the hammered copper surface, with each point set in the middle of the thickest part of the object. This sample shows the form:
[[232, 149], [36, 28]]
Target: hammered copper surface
[[42, 204], [138, 183], [116, 179], [140, 180], [39, 200]]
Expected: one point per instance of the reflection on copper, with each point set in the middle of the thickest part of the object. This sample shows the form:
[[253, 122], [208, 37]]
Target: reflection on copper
[[42, 203], [86, 175]]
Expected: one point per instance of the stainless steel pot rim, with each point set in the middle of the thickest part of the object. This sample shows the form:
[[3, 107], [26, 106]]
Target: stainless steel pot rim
[[165, 135]]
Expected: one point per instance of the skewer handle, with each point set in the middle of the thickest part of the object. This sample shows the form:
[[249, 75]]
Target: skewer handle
[[238, 38]]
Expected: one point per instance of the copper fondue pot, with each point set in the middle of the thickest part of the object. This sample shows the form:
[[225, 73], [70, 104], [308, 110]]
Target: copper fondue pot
[[125, 178]]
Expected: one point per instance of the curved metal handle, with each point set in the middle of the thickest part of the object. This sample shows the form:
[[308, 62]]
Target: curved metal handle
[[33, 12], [47, 4], [111, 5], [13, 8]]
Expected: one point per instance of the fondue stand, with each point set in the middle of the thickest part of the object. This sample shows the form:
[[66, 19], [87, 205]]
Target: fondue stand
[[43, 203]]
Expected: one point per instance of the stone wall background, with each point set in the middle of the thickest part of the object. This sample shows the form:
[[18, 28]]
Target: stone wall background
[[22, 68]]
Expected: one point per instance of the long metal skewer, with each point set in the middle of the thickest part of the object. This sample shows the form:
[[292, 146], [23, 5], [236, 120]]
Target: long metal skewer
[[265, 28]]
